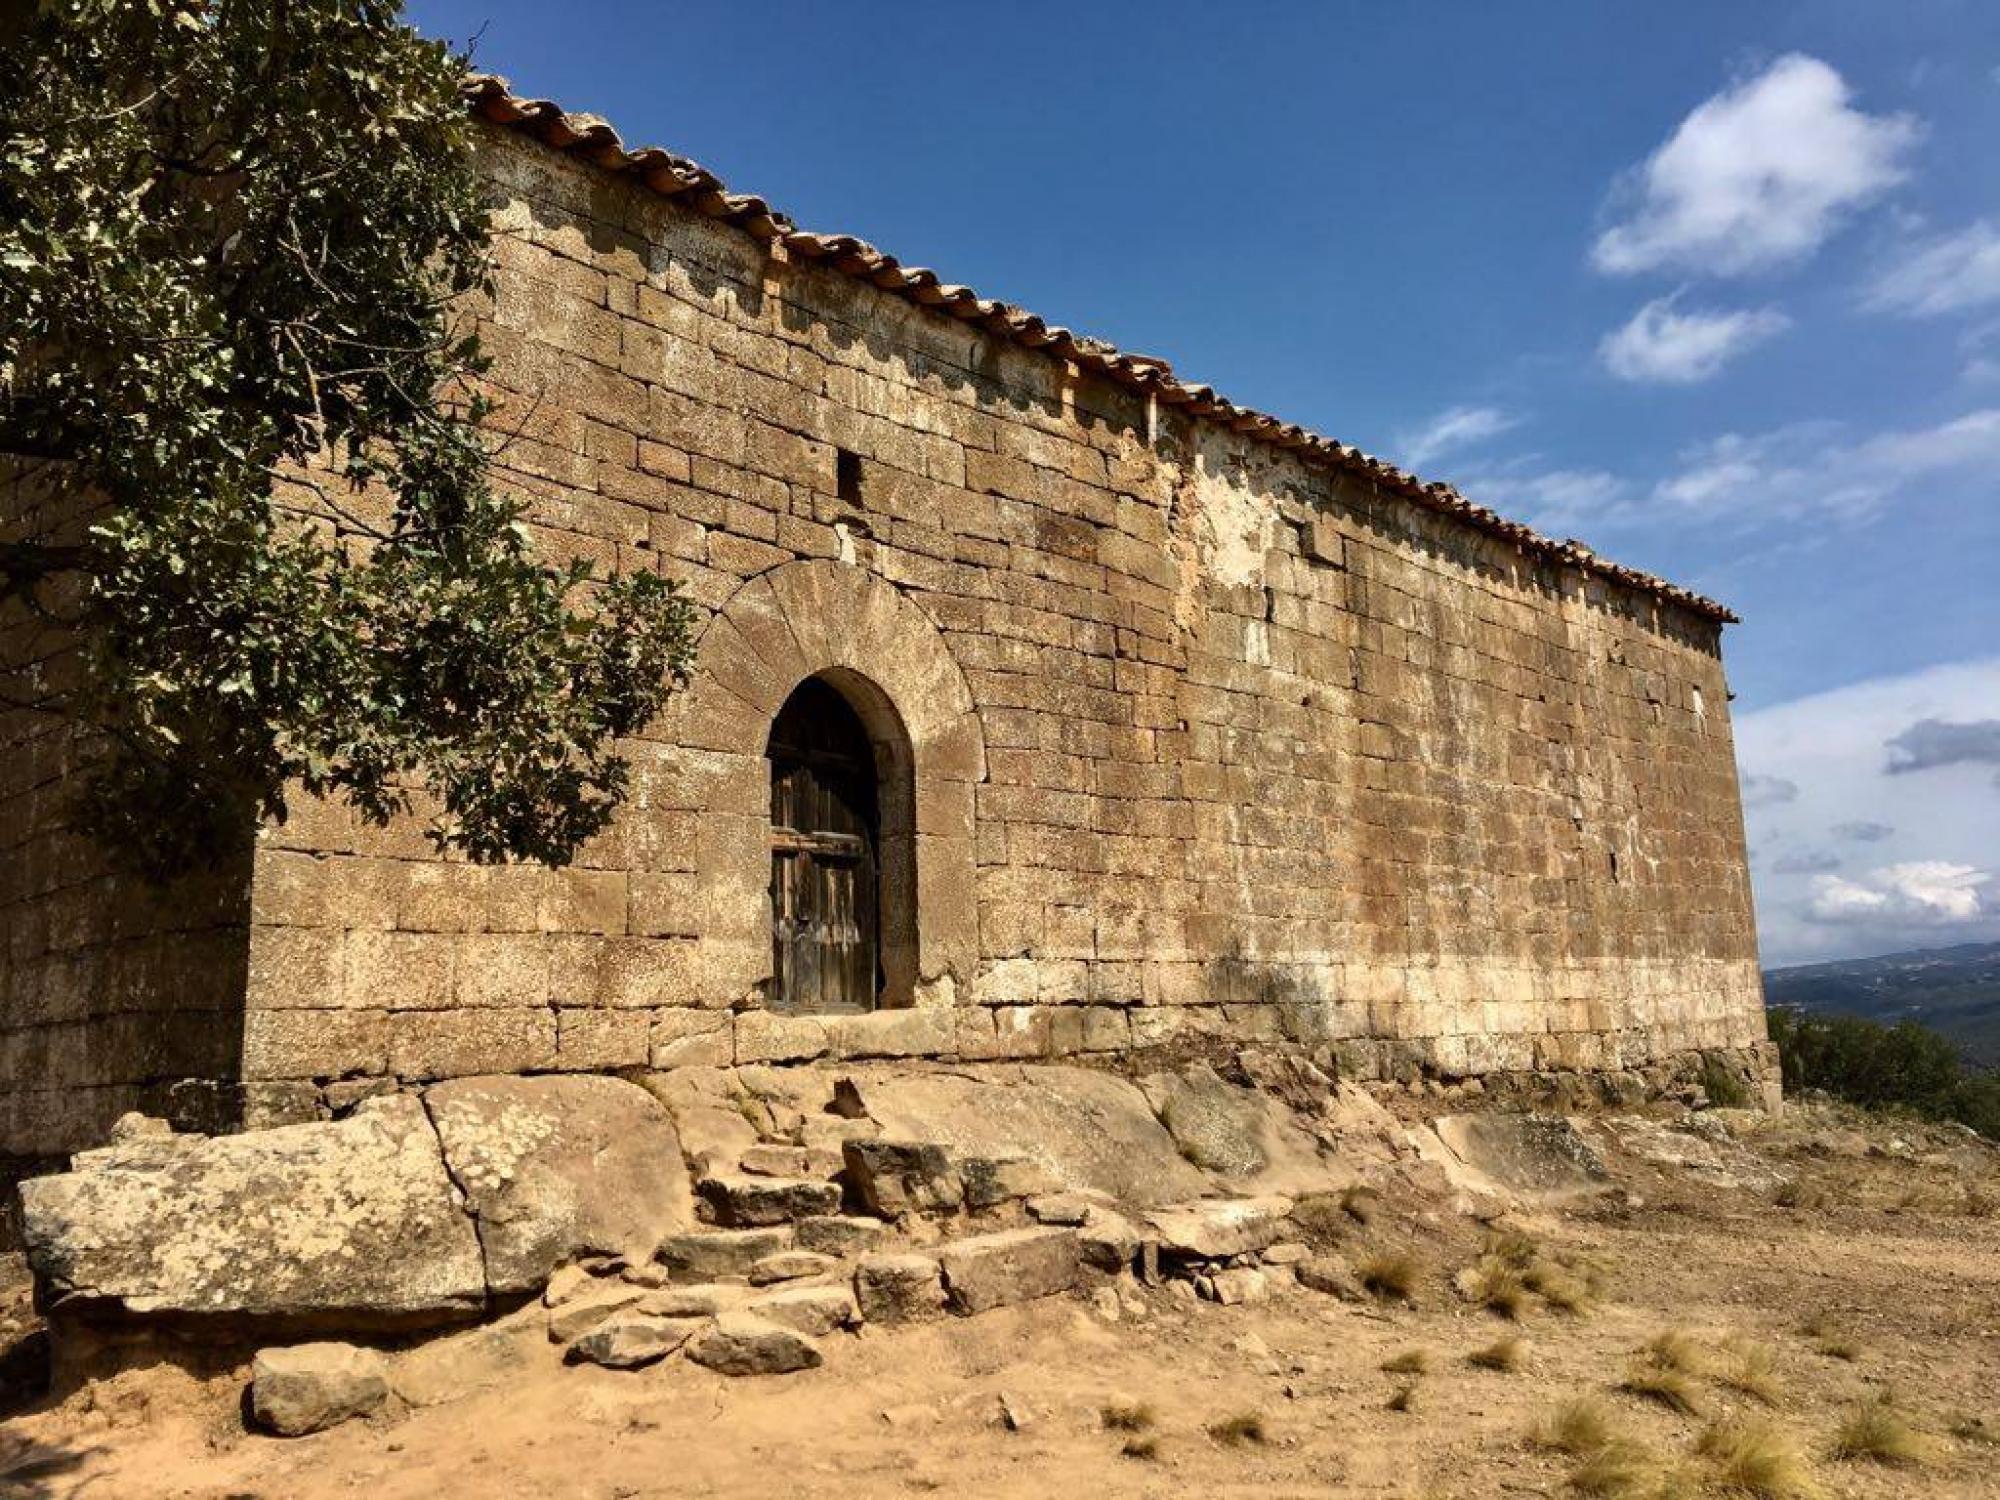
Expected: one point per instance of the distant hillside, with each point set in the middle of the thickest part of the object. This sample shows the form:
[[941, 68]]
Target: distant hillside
[[1954, 991]]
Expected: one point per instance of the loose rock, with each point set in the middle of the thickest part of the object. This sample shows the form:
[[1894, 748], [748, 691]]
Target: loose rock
[[741, 1343], [895, 1178], [590, 1307], [311, 1387], [632, 1340]]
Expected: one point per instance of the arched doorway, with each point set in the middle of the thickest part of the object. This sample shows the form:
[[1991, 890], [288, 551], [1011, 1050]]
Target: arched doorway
[[829, 784]]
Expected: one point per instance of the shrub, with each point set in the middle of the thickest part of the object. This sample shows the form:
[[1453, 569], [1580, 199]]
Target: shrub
[[1724, 1087], [1905, 1066], [1409, 1362]]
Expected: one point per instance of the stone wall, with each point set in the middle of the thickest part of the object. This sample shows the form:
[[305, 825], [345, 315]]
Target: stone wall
[[110, 989], [1199, 737]]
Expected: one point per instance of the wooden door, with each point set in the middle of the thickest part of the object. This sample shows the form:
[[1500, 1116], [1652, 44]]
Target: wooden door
[[824, 839]]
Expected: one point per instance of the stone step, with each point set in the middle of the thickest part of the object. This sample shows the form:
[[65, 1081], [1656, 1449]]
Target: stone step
[[746, 1202], [816, 1163], [705, 1254], [1015, 1265]]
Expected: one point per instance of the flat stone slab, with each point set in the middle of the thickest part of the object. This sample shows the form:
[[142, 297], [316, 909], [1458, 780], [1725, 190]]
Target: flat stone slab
[[1217, 1228], [741, 1343], [702, 1301], [630, 1341], [350, 1224], [748, 1202], [704, 1255], [1086, 1128], [1015, 1265], [811, 1310], [584, 1311], [791, 1265], [559, 1168]]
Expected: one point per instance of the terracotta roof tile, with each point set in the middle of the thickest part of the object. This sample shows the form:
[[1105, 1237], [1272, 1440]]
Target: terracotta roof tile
[[591, 138]]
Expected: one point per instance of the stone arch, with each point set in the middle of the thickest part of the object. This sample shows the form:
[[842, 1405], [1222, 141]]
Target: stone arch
[[854, 629]]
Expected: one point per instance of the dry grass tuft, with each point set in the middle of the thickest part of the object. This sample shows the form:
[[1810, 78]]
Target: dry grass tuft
[[1673, 1389], [1403, 1398], [1234, 1432], [1128, 1416], [1409, 1362], [1755, 1374], [1497, 1286], [1580, 1426], [1391, 1275], [1322, 1219], [1677, 1349], [1360, 1203], [1505, 1355], [1830, 1339], [1559, 1287], [1510, 1247], [1979, 1205], [1876, 1431], [1619, 1470], [1797, 1192], [1752, 1458], [1146, 1449]]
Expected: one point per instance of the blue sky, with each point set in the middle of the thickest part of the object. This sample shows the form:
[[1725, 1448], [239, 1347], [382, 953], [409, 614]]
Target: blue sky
[[1714, 287]]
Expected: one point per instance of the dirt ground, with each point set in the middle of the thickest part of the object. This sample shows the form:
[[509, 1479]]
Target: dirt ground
[[1875, 1273]]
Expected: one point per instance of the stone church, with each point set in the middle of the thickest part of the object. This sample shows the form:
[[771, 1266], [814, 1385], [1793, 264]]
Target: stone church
[[1046, 704]]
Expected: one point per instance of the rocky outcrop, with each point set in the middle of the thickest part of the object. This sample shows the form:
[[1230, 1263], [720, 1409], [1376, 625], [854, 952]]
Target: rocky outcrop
[[349, 1223], [410, 1212], [1085, 1128], [560, 1167], [1216, 1124]]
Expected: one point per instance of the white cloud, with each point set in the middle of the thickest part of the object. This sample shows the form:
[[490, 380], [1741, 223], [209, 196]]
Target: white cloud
[[1664, 345], [1830, 746], [1768, 791], [1810, 469], [1757, 176], [1454, 427], [1925, 892], [1944, 274], [1551, 500]]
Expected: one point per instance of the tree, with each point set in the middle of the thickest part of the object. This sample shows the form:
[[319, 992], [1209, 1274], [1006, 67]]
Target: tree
[[236, 241]]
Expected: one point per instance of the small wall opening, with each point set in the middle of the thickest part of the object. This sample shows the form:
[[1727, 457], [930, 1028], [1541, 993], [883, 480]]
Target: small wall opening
[[847, 476], [842, 897]]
